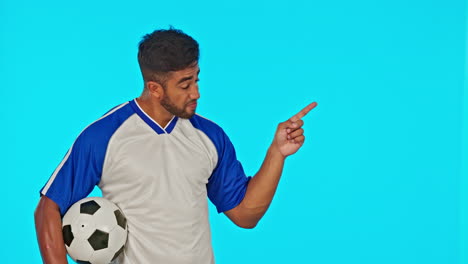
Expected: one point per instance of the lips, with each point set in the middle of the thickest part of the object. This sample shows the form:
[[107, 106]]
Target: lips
[[192, 105]]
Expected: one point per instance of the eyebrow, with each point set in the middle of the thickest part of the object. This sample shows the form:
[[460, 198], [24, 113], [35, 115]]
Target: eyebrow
[[187, 78]]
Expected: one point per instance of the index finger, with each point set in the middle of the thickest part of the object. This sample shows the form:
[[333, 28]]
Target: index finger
[[303, 112]]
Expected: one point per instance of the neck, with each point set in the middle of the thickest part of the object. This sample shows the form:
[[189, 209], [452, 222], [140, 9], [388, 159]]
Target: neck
[[154, 110]]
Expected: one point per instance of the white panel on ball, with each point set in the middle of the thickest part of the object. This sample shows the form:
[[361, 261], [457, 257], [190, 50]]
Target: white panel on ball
[[95, 230], [83, 226], [80, 250]]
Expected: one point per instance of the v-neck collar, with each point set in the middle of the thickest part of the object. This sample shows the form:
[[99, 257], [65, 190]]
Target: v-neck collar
[[153, 124]]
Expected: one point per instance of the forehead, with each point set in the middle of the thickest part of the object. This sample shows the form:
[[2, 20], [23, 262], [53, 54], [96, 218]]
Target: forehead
[[187, 72]]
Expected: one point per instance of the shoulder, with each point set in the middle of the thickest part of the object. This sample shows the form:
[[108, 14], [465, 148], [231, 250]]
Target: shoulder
[[102, 129], [207, 126], [214, 132]]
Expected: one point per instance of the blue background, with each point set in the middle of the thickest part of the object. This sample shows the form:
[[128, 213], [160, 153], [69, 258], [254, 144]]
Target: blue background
[[382, 177]]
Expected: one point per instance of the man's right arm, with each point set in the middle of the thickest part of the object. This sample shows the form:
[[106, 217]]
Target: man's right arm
[[49, 232]]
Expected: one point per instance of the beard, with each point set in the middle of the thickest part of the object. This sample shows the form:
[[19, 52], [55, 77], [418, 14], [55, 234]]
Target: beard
[[173, 109]]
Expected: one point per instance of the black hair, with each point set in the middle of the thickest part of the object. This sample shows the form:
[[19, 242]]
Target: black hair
[[166, 50]]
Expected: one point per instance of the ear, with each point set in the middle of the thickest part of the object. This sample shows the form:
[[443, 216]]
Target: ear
[[155, 89]]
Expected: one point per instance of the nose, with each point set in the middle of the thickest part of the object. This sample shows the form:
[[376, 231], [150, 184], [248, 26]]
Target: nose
[[195, 93]]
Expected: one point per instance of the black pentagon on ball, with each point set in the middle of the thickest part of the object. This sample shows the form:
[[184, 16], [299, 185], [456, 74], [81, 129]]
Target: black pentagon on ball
[[118, 253], [121, 220], [67, 235], [99, 239], [82, 262], [89, 207]]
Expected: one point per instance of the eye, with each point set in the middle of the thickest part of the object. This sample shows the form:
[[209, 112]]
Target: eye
[[185, 87]]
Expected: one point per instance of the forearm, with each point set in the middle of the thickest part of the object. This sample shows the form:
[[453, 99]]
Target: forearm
[[49, 232], [262, 188], [289, 137]]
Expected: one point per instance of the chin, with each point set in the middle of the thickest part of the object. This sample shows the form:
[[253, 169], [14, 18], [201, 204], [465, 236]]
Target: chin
[[186, 115]]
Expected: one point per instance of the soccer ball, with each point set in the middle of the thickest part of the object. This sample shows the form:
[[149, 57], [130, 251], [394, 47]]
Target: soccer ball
[[94, 231]]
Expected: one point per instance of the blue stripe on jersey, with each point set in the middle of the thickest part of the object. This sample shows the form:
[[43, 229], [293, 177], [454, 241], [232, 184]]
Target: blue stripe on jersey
[[171, 126], [227, 184], [82, 169], [145, 118]]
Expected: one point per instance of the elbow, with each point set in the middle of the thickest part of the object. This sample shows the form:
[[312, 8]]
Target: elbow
[[247, 224], [246, 218]]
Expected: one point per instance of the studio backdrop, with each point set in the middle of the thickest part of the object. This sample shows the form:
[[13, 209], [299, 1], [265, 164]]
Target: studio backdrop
[[382, 176]]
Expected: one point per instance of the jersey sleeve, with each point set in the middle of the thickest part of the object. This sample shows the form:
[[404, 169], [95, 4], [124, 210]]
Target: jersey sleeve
[[228, 183], [77, 174]]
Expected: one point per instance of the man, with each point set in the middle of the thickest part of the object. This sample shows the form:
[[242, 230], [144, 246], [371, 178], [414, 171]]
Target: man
[[157, 160]]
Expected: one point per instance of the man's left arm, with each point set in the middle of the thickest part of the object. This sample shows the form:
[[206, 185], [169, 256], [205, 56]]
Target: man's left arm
[[289, 137]]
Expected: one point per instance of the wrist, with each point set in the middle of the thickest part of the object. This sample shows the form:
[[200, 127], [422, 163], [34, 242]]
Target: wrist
[[274, 151]]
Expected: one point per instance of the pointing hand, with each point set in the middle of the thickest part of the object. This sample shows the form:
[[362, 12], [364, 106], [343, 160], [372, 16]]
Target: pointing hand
[[289, 135]]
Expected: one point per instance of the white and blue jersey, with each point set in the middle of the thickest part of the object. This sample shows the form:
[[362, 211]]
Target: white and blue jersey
[[159, 177]]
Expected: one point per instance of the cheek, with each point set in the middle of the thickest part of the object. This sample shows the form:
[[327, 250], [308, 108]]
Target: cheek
[[187, 98], [178, 98], [181, 98]]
